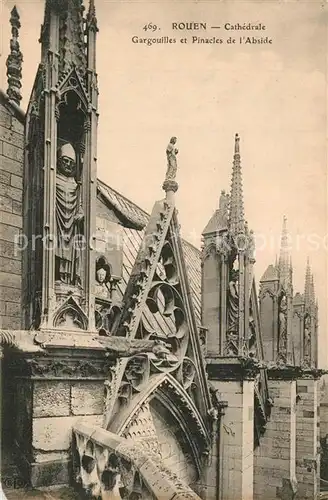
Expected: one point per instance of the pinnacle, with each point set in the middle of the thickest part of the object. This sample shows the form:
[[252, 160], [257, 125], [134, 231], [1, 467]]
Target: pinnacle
[[237, 223]]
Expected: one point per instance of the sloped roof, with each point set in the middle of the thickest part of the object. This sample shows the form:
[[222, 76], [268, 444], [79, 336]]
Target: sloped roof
[[271, 274], [134, 221], [132, 239]]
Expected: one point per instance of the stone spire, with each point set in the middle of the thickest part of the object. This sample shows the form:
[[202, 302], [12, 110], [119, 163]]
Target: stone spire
[[71, 43], [284, 257], [14, 60], [308, 284], [236, 219], [91, 16]]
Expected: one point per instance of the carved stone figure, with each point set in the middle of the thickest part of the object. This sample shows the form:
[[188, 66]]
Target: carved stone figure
[[307, 338], [171, 152], [103, 277], [282, 340], [69, 217], [233, 302]]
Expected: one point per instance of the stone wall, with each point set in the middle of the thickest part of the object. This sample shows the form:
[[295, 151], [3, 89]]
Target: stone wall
[[275, 458], [11, 172], [236, 440], [307, 442], [44, 432]]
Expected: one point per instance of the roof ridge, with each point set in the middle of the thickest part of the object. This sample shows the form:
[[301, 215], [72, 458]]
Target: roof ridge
[[141, 209], [122, 196]]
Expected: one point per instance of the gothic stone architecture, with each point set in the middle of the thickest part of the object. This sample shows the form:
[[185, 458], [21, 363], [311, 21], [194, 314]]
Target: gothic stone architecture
[[135, 366]]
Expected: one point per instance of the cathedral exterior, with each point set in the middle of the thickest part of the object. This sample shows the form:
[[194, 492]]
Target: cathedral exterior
[[134, 365]]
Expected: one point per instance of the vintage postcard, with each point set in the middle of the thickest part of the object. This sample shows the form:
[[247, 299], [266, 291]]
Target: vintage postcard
[[164, 249]]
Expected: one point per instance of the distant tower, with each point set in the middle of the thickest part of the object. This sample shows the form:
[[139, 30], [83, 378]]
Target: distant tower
[[227, 262], [60, 173], [276, 306]]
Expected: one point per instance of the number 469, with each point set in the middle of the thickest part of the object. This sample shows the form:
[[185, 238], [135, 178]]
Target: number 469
[[150, 27]]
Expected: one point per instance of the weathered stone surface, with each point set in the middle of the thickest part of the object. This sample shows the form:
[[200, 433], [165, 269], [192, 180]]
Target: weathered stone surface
[[17, 126], [11, 192], [50, 473], [11, 219], [13, 152], [17, 207], [55, 433], [16, 181], [13, 309], [11, 280], [10, 322], [11, 137], [6, 204], [10, 265], [11, 166], [87, 398], [9, 233], [10, 294], [51, 399], [4, 177], [5, 118]]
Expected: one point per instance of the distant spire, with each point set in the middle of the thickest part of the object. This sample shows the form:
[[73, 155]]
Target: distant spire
[[284, 257], [308, 284], [291, 267], [14, 60], [312, 291], [91, 16], [236, 219]]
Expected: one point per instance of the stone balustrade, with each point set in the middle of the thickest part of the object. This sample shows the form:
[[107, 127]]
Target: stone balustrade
[[108, 466]]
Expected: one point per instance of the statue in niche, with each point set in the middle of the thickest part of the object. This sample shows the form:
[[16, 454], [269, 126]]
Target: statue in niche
[[233, 301], [103, 278], [171, 152], [69, 217], [307, 338], [282, 327], [251, 334]]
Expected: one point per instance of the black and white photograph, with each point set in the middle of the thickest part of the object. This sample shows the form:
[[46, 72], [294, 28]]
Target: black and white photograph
[[163, 250]]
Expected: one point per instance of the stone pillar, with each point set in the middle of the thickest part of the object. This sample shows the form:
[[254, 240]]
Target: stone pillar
[[236, 387], [308, 437], [52, 393], [274, 459]]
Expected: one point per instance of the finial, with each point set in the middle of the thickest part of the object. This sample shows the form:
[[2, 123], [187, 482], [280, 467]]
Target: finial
[[14, 60], [91, 16], [170, 185], [237, 144], [236, 220]]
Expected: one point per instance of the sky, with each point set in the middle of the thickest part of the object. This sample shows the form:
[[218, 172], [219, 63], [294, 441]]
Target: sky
[[273, 95]]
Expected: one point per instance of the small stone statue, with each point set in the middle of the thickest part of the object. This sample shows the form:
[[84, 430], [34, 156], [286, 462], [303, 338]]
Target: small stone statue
[[233, 301], [307, 338], [171, 152], [68, 217], [103, 277], [282, 346]]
